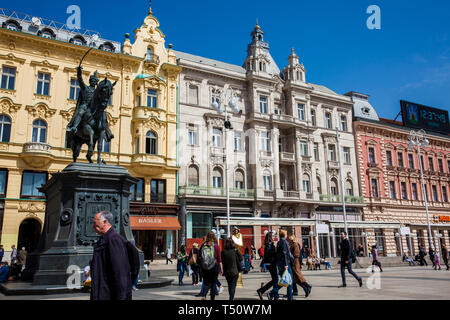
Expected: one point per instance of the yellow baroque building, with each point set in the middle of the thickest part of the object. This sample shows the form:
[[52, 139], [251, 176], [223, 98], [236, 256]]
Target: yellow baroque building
[[38, 98]]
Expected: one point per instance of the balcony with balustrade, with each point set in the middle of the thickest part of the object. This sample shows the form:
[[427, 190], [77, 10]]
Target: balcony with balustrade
[[36, 154], [215, 192]]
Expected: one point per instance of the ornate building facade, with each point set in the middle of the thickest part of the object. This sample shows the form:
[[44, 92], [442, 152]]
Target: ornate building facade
[[38, 96], [283, 156], [390, 182]]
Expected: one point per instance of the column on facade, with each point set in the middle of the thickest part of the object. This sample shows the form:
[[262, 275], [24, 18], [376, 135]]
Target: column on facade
[[389, 242], [445, 237], [414, 241], [298, 233], [298, 165], [404, 243], [276, 157], [370, 239], [257, 236], [333, 239], [312, 240]]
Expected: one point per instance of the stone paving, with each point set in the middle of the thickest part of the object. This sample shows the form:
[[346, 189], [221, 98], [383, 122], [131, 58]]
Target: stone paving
[[396, 283]]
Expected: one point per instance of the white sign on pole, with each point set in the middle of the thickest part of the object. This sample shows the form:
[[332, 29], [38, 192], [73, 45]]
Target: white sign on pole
[[405, 230], [323, 229]]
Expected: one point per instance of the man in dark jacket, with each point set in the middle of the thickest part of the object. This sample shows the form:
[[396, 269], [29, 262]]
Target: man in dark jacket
[[110, 267], [285, 260], [422, 255], [346, 259]]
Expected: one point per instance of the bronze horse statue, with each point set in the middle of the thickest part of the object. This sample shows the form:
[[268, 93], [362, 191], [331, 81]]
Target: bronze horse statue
[[92, 129]]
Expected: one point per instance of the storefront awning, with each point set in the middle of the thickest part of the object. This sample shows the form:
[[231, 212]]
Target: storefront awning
[[154, 223]]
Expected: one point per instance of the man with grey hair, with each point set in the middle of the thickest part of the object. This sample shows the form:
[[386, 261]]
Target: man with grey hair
[[110, 267]]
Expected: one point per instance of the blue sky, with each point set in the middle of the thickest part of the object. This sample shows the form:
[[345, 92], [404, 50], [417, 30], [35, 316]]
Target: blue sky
[[409, 58]]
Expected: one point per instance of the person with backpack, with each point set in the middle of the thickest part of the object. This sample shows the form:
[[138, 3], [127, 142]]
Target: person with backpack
[[375, 261], [269, 261], [211, 264], [193, 263], [347, 257], [232, 263], [181, 264], [113, 267]]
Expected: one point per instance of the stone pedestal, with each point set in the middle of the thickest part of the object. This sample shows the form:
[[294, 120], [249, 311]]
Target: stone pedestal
[[74, 196]]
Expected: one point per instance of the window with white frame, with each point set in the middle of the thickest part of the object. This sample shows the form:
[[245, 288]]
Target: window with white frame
[[328, 123], [301, 111], [43, 84], [217, 178], [347, 155], [267, 181], [265, 141], [193, 94], [152, 98], [217, 138], [74, 89], [151, 143], [306, 182], [8, 78], [343, 123], [392, 189], [263, 104], [334, 187], [192, 135], [349, 187], [316, 152], [239, 179], [39, 133], [5, 128], [331, 152], [404, 190], [237, 141], [304, 148], [313, 118]]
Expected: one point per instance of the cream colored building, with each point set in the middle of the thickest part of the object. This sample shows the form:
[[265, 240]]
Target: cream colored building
[[38, 98]]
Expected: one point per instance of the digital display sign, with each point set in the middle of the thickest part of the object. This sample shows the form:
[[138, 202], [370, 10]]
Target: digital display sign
[[422, 117]]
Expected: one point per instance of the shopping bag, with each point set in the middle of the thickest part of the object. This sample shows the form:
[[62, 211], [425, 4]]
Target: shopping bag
[[286, 279], [190, 270]]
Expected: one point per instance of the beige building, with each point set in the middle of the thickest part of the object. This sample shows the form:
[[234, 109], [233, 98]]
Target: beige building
[[38, 98]]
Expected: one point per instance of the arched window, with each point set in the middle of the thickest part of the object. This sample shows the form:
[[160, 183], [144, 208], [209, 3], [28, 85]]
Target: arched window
[[78, 40], [151, 143], [5, 128], [267, 180], [47, 33], [107, 46], [149, 54], [334, 187], [319, 185], [239, 179], [39, 131], [306, 183], [217, 178], [349, 188], [12, 25], [193, 176]]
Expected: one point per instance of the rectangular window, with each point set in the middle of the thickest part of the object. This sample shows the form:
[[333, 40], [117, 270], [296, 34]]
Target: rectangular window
[[389, 158], [193, 94], [328, 120], [43, 84], [137, 191], [74, 89], [400, 159], [404, 191], [347, 155], [158, 191], [8, 78], [343, 123], [3, 181], [441, 165], [277, 109], [374, 188], [217, 138], [217, 182], [430, 164], [307, 186], [414, 191], [31, 181], [301, 111], [410, 161], [238, 141], [304, 148], [152, 98], [435, 195], [267, 180], [263, 104], [372, 155], [265, 141], [444, 194], [192, 136], [201, 224], [313, 118], [316, 152], [331, 153], [392, 188]]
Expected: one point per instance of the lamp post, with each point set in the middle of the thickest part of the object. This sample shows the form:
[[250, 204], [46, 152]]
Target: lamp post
[[229, 94], [417, 138], [340, 176]]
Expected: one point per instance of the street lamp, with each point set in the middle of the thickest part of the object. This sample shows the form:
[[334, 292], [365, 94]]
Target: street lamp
[[340, 176], [417, 138], [229, 95]]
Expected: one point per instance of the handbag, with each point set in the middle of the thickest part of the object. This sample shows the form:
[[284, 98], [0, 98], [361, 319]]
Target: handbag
[[193, 259], [239, 263], [286, 279]]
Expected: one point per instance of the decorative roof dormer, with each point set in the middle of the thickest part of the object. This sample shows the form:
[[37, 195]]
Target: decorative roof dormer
[[259, 61], [295, 71]]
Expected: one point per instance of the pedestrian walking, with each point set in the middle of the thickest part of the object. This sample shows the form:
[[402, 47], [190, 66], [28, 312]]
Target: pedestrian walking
[[284, 263], [2, 252], [296, 268], [444, 253], [193, 263], [347, 255], [269, 260], [375, 261], [261, 253], [110, 268], [437, 262], [4, 272], [230, 259], [13, 254], [422, 255], [168, 256], [431, 254], [253, 255], [181, 264], [247, 261], [211, 264]]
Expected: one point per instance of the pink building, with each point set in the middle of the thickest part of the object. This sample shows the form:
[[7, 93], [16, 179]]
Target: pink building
[[390, 182]]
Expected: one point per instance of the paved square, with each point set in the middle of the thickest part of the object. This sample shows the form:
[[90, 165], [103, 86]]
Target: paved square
[[399, 283]]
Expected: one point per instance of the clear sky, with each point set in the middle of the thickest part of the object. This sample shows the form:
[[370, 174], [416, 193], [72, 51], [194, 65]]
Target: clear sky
[[408, 58]]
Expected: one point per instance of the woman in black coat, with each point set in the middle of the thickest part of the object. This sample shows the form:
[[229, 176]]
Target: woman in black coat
[[230, 255], [269, 260]]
